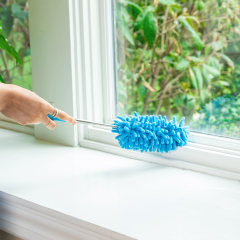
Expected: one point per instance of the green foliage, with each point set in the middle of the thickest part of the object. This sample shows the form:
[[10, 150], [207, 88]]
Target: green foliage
[[197, 42], [149, 27], [7, 20], [4, 45], [182, 65], [18, 13], [133, 9], [219, 116], [167, 2], [1, 79], [126, 32], [15, 61], [178, 56]]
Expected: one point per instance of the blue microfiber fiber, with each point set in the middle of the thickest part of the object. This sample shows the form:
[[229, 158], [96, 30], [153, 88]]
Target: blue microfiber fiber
[[150, 133]]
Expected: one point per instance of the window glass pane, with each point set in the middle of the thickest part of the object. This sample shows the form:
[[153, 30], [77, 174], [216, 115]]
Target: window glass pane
[[15, 63], [180, 58]]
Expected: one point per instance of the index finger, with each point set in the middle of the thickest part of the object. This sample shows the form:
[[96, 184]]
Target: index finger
[[64, 116]]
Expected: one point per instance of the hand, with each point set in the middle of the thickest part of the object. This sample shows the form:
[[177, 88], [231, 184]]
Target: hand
[[26, 107]]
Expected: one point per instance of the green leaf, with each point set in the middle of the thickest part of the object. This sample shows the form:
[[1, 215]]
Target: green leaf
[[167, 2], [141, 16], [228, 60], [214, 62], [27, 52], [182, 65], [206, 76], [1, 79], [133, 9], [141, 92], [199, 5], [150, 27], [194, 59], [214, 71], [224, 83], [191, 19], [197, 42], [7, 20], [9, 49], [168, 59], [209, 72], [207, 49], [217, 45], [126, 32], [199, 78], [193, 79], [19, 13]]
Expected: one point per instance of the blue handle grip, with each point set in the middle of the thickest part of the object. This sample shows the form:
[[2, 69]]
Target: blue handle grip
[[55, 119]]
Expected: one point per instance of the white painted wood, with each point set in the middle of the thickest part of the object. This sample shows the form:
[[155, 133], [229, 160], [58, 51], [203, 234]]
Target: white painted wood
[[94, 39], [16, 127], [201, 155], [94, 53], [135, 198], [52, 70], [33, 222], [108, 53], [215, 141], [195, 163], [8, 123]]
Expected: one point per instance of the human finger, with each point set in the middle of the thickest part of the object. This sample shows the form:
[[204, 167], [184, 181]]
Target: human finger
[[64, 116], [48, 122]]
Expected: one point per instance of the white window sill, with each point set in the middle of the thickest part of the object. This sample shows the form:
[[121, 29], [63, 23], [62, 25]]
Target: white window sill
[[54, 192]]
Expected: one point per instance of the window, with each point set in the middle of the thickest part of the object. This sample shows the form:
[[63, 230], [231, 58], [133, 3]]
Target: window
[[181, 58], [114, 75], [80, 72]]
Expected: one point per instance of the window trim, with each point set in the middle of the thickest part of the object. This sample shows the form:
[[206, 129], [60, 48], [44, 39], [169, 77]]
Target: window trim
[[52, 67], [198, 157], [93, 21], [206, 153], [7, 123]]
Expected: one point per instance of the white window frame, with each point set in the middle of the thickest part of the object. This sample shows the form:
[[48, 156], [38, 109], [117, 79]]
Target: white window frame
[[11, 125], [208, 153], [74, 45], [52, 67]]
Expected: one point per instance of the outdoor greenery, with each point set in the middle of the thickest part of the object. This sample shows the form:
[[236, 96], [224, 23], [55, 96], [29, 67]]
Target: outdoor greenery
[[15, 59], [181, 57]]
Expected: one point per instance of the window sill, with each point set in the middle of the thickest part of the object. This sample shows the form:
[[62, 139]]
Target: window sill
[[11, 125], [54, 192]]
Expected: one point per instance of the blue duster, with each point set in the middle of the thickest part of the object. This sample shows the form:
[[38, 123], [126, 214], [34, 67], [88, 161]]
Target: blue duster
[[150, 133]]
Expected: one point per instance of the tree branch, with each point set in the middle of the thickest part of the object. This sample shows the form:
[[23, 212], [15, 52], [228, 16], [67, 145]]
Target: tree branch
[[156, 70], [164, 88], [8, 80], [164, 29]]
